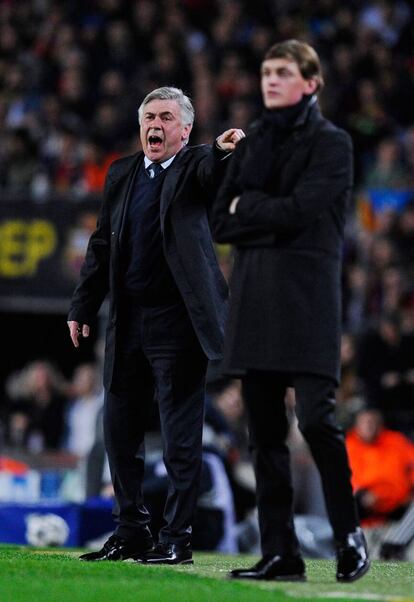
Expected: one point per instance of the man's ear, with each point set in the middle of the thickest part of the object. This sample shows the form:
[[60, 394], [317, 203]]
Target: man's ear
[[185, 134], [311, 85]]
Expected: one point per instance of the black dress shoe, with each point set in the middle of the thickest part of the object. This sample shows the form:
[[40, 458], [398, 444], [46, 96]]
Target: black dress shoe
[[119, 548], [352, 556], [168, 553], [276, 568]]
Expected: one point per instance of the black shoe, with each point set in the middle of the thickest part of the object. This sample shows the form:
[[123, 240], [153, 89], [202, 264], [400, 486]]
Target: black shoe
[[168, 553], [119, 548], [392, 551], [352, 557], [277, 568]]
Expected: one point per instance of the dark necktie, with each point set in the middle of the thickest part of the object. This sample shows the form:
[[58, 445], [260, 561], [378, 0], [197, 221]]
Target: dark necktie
[[154, 169]]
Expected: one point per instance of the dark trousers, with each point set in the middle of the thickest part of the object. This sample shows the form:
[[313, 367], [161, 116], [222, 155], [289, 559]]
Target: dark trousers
[[158, 356], [264, 394]]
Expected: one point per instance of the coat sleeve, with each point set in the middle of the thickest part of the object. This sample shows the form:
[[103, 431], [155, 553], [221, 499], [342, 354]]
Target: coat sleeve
[[94, 276], [211, 170], [327, 177], [228, 228]]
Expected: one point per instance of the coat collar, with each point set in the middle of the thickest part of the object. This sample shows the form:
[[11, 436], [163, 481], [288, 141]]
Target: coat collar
[[305, 127], [126, 166], [309, 113]]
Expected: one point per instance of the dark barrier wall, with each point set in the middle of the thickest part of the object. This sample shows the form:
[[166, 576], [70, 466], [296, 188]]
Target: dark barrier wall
[[42, 247]]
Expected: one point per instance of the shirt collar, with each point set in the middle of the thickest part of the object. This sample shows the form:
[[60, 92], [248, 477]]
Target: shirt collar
[[164, 165]]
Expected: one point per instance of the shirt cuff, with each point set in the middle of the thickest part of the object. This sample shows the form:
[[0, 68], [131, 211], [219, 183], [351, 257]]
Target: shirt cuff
[[225, 154]]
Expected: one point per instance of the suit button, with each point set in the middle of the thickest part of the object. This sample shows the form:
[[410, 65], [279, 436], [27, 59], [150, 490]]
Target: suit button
[[112, 233]]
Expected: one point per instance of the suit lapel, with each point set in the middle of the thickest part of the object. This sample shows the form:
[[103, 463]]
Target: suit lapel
[[172, 178], [124, 180]]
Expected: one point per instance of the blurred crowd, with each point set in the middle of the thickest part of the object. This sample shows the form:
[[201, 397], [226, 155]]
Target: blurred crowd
[[44, 411], [72, 75]]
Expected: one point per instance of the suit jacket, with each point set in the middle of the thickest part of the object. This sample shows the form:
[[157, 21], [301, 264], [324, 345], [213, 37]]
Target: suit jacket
[[189, 185], [285, 309]]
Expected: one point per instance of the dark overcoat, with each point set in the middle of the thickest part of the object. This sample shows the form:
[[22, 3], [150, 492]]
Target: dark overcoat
[[285, 302], [189, 185]]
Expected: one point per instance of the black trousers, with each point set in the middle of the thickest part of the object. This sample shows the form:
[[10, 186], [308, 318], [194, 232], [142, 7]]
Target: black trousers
[[158, 356], [264, 394]]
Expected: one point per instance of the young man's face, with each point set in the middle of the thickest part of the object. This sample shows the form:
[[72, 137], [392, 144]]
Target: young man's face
[[162, 131], [282, 83]]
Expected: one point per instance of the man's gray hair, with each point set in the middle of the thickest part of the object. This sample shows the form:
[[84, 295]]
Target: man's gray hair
[[170, 93]]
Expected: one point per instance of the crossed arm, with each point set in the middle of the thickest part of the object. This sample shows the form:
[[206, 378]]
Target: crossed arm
[[240, 214]]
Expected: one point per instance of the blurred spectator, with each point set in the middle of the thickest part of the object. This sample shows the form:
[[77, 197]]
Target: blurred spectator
[[230, 404], [18, 166], [106, 126], [65, 168], [37, 395], [382, 253], [77, 243], [387, 171], [95, 166], [393, 287], [408, 149], [73, 93], [118, 47], [231, 439], [385, 18], [20, 101], [368, 123], [385, 366], [382, 256], [87, 398], [404, 239], [382, 464], [349, 395], [355, 297]]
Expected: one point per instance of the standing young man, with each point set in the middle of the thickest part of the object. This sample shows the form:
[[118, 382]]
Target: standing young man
[[152, 252], [283, 205]]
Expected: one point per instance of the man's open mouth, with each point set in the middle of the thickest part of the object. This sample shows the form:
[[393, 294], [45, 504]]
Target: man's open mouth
[[154, 141]]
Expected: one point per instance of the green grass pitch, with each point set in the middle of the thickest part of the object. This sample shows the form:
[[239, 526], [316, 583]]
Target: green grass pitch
[[39, 575]]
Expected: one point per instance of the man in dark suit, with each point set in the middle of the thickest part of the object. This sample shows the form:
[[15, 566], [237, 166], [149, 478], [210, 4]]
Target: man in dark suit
[[283, 205], [152, 252]]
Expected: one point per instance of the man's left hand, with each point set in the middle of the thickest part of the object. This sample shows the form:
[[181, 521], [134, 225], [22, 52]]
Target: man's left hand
[[228, 140]]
